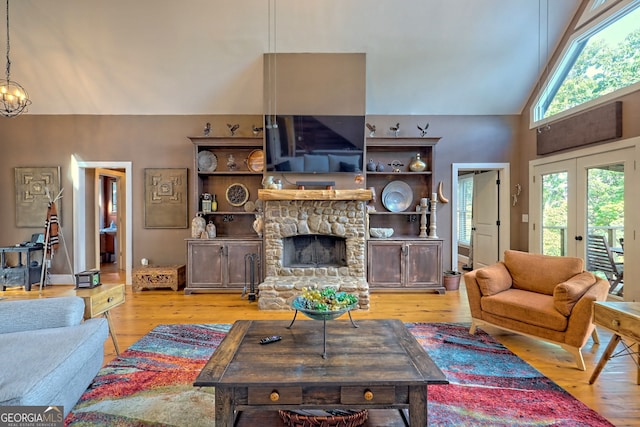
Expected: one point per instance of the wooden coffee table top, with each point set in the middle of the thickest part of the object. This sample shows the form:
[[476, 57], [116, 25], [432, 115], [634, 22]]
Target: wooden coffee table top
[[379, 352]]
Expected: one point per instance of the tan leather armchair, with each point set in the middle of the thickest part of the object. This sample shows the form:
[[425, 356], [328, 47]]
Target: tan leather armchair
[[542, 296]]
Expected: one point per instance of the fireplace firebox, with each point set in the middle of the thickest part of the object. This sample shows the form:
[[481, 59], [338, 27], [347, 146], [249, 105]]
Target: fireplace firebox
[[314, 250]]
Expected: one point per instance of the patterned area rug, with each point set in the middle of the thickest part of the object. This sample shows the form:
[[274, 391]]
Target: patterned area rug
[[150, 384]]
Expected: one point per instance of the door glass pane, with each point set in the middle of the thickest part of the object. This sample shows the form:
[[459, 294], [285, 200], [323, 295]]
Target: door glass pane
[[605, 217], [554, 213]]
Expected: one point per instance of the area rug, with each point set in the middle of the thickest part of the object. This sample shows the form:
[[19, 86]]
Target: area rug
[[150, 384]]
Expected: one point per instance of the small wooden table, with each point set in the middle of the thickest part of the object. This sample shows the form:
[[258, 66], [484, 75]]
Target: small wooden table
[[100, 300], [623, 319], [378, 365]]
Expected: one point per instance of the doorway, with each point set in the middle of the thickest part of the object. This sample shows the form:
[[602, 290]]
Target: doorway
[[578, 200], [86, 232], [503, 240], [109, 219]]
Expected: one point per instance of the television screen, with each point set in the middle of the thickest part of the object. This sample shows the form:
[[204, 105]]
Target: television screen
[[315, 144]]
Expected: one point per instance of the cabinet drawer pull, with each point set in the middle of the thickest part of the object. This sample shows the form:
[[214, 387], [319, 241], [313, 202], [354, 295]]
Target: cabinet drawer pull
[[274, 396], [368, 395], [110, 299], [615, 323]]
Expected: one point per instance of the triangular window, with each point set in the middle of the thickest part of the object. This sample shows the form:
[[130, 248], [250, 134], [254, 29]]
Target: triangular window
[[602, 57]]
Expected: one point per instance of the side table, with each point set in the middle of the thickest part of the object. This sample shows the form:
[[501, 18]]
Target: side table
[[100, 300], [623, 319], [27, 270], [151, 277]]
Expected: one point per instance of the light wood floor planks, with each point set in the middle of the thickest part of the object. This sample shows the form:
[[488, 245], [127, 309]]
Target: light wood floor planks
[[614, 395]]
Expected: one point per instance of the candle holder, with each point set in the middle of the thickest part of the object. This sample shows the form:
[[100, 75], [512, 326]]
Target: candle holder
[[423, 208], [432, 219]]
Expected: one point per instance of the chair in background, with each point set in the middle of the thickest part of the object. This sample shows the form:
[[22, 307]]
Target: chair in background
[[600, 258]]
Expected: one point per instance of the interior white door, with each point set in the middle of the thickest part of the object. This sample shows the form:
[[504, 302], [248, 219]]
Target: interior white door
[[486, 218]]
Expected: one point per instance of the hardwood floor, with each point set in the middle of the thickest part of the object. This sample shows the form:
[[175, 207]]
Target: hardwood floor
[[615, 394]]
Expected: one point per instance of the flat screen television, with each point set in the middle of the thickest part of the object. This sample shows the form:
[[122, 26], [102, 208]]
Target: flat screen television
[[315, 144]]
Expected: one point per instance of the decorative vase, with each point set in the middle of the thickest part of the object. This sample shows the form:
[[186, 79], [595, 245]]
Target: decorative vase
[[214, 203], [267, 181], [380, 167], [211, 230], [198, 224], [371, 166], [417, 165]]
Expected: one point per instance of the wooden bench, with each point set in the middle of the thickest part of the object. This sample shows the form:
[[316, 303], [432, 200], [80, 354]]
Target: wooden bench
[[165, 276]]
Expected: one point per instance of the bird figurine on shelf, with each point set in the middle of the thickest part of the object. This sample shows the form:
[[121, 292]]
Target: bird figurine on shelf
[[423, 131], [233, 128], [395, 129], [256, 130], [372, 129], [207, 129]]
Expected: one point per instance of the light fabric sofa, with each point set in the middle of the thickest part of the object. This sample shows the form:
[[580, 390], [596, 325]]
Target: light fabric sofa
[[49, 354], [543, 296]]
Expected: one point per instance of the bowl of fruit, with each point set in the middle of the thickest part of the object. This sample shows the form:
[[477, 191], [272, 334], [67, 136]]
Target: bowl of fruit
[[325, 304]]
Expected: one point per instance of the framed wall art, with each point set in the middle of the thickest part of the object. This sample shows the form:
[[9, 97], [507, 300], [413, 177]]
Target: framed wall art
[[33, 188], [165, 198]]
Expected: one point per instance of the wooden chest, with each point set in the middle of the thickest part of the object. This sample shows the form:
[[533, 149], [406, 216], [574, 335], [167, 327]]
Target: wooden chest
[[151, 277]]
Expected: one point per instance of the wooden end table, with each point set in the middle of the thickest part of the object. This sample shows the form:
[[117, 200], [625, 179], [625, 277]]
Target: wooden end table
[[100, 300], [378, 365], [623, 319]]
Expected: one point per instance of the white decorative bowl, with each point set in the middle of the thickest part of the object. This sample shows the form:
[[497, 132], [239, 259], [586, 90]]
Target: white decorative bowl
[[381, 233]]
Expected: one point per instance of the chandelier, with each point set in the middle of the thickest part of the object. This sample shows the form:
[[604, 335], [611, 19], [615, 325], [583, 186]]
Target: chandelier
[[14, 99]]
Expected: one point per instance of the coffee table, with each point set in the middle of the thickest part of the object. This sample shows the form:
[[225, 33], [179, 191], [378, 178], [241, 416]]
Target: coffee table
[[378, 365]]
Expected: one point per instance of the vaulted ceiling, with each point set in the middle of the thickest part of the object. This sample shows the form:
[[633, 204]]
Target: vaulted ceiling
[[431, 57]]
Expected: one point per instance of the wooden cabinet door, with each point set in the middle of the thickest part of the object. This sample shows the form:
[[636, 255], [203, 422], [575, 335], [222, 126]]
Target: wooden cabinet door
[[424, 264], [385, 264], [205, 264], [237, 268]]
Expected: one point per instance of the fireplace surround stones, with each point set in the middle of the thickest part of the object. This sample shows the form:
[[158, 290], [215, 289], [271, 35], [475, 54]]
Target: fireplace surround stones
[[291, 213]]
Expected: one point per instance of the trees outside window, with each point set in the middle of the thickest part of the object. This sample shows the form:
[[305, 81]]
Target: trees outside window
[[595, 64]]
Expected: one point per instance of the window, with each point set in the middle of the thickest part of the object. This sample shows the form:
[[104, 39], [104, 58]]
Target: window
[[465, 203], [114, 196], [602, 57]]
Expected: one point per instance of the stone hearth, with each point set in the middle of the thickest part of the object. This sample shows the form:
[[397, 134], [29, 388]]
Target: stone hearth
[[292, 217]]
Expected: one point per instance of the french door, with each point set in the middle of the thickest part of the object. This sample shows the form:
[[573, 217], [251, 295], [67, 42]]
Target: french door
[[573, 198]]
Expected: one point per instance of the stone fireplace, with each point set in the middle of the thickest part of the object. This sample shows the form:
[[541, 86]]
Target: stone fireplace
[[313, 237]]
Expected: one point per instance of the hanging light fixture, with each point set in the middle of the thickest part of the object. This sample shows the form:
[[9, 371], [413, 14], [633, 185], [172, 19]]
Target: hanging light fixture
[[272, 64], [14, 100]]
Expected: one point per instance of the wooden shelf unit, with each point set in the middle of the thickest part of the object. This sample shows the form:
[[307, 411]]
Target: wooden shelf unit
[[405, 260], [218, 264]]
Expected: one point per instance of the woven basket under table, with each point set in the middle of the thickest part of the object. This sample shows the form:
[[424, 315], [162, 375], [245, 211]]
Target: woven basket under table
[[322, 418]]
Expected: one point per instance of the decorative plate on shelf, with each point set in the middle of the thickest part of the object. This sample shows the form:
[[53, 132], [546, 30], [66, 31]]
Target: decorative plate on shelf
[[255, 161], [207, 161], [237, 194], [397, 196]]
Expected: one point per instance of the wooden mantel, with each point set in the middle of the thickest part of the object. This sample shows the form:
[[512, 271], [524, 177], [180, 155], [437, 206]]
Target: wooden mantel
[[267, 194]]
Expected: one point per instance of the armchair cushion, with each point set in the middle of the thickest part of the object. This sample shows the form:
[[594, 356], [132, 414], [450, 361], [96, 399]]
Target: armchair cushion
[[567, 294], [493, 279], [540, 273]]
